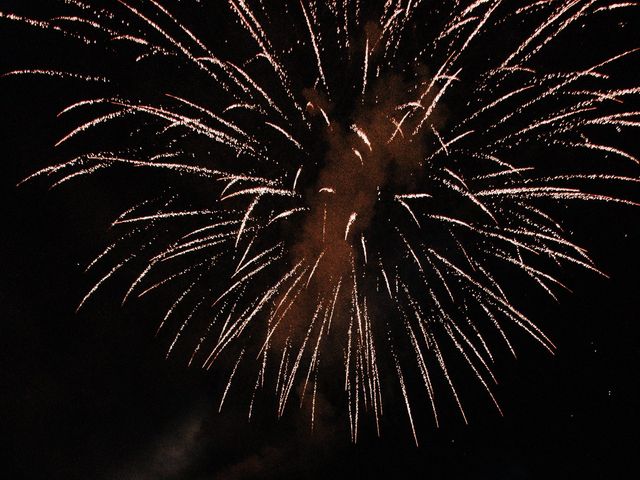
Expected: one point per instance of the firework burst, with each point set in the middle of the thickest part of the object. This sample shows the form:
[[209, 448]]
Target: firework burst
[[377, 178]]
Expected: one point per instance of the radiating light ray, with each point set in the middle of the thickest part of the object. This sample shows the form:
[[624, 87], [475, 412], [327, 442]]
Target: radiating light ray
[[56, 73]]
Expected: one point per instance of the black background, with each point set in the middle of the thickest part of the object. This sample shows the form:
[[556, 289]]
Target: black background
[[92, 396]]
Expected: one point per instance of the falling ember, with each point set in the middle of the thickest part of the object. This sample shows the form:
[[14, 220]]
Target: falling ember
[[352, 220], [377, 181]]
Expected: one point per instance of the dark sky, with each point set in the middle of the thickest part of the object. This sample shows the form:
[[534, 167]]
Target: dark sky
[[90, 395]]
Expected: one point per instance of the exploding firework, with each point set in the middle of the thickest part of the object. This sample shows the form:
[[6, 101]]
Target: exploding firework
[[356, 187]]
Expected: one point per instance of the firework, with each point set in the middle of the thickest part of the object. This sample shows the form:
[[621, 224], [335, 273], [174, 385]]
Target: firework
[[377, 179]]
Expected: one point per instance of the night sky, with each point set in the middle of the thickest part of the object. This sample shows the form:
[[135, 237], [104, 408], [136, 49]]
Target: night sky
[[91, 395]]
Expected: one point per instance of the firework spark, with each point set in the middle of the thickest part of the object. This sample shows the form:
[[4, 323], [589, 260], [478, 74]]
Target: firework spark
[[380, 226]]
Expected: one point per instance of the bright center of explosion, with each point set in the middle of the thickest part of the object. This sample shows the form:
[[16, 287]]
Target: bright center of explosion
[[366, 163]]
